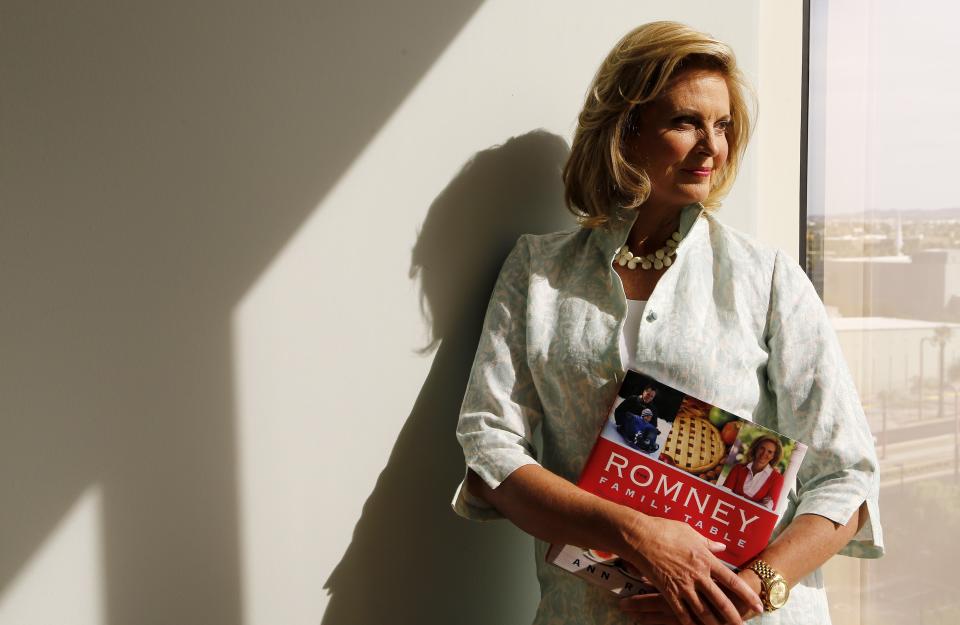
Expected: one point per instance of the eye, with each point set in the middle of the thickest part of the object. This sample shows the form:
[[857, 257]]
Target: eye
[[723, 125], [685, 121]]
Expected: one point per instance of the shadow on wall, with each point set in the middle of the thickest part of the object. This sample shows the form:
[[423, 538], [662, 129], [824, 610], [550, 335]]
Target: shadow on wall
[[412, 560], [156, 157]]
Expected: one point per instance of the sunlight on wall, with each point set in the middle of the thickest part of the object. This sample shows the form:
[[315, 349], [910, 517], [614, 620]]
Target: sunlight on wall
[[64, 578]]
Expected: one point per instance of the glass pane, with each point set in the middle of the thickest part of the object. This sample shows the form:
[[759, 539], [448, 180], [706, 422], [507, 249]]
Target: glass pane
[[883, 250]]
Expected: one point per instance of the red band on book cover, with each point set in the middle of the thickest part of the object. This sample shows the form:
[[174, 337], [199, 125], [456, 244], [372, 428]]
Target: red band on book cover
[[633, 479]]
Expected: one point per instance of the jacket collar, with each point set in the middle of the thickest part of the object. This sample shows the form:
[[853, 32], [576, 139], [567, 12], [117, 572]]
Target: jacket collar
[[610, 237]]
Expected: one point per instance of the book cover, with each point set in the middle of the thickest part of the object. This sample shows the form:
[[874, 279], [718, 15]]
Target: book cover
[[668, 454]]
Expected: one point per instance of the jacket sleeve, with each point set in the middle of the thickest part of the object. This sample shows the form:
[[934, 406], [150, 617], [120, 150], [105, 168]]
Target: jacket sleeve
[[817, 403], [501, 408]]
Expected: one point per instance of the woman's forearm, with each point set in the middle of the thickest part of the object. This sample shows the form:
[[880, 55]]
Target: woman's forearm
[[550, 508], [677, 560], [808, 542]]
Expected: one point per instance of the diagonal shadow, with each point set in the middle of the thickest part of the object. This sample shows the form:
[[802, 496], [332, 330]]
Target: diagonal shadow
[[155, 158], [412, 560]]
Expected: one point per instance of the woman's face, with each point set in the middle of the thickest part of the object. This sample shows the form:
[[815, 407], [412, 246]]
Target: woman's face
[[681, 138], [764, 454]]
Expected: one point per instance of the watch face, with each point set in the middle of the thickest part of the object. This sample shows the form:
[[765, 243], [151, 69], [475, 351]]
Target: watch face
[[778, 593]]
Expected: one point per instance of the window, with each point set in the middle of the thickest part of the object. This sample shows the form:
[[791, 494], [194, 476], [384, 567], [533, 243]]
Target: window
[[882, 185]]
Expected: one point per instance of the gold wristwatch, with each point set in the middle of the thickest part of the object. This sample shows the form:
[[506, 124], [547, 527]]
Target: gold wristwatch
[[773, 588]]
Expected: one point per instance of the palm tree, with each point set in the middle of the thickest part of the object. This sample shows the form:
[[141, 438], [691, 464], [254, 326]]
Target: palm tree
[[941, 336]]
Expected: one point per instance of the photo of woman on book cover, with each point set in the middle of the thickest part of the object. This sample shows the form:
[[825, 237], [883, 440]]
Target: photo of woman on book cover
[[756, 465]]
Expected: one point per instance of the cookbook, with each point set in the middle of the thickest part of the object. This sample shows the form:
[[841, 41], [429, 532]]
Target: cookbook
[[669, 454]]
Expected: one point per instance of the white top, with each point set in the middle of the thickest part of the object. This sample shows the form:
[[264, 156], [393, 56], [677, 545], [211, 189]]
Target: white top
[[755, 480], [630, 334]]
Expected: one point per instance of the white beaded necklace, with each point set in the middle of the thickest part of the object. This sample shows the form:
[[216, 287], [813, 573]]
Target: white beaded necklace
[[657, 260]]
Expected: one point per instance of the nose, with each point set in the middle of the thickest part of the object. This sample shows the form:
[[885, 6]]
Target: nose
[[709, 144]]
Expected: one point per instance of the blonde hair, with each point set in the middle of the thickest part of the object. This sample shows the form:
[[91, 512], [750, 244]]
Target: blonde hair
[[597, 176], [766, 438]]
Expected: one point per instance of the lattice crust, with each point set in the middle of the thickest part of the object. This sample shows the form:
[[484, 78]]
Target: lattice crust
[[695, 444]]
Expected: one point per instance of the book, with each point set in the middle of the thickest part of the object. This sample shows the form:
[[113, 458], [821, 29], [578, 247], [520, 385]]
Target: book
[[669, 454]]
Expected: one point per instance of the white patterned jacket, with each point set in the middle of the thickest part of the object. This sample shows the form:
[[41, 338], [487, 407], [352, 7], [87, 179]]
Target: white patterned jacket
[[732, 321]]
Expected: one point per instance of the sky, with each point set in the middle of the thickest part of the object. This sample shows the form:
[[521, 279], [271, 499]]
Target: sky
[[911, 111]]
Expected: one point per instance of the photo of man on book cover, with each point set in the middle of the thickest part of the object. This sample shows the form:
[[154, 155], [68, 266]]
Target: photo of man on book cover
[[636, 423], [642, 414]]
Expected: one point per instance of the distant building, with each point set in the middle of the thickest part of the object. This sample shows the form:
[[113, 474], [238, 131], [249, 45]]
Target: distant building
[[924, 285], [883, 352]]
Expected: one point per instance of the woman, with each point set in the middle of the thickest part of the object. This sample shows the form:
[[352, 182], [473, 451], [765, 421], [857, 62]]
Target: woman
[[726, 319], [757, 478]]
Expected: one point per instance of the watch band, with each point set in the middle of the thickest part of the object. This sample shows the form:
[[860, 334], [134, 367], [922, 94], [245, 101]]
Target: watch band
[[773, 587]]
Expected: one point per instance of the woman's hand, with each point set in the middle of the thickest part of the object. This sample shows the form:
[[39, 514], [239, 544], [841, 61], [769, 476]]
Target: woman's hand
[[676, 559], [653, 609], [693, 583]]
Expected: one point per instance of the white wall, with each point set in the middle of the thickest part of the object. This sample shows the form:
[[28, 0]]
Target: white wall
[[778, 134], [219, 223]]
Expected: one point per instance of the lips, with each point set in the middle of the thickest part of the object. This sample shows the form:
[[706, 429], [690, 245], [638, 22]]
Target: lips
[[702, 171]]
